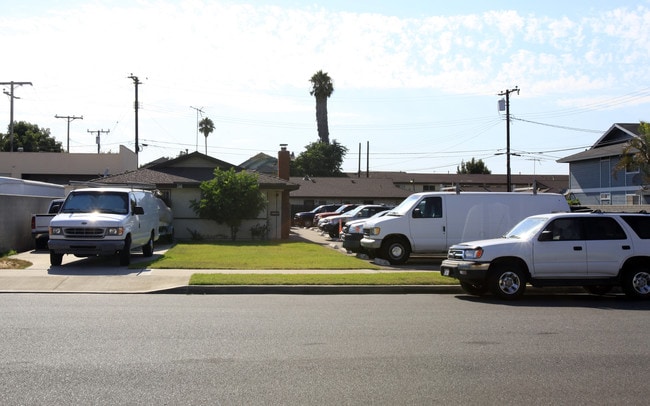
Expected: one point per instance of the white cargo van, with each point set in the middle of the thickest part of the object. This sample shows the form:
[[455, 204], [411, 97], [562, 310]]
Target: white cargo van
[[430, 222], [104, 221]]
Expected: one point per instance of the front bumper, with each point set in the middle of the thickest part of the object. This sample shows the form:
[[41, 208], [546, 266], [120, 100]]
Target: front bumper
[[85, 247], [465, 270], [352, 242], [370, 244]]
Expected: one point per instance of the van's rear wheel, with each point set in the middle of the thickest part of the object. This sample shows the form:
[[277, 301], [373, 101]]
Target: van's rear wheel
[[125, 253], [147, 249], [396, 250]]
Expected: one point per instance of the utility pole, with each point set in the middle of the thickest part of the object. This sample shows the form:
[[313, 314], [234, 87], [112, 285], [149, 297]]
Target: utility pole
[[136, 82], [97, 137], [11, 109], [198, 110], [69, 118], [508, 174]]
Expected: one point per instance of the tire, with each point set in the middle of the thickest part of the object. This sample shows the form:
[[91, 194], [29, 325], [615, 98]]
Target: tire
[[125, 253], [396, 250], [307, 223], [147, 249], [40, 243], [507, 281], [474, 288], [333, 235], [636, 283], [598, 289], [56, 259]]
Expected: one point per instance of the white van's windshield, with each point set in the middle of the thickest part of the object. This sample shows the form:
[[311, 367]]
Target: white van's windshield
[[404, 207], [102, 202]]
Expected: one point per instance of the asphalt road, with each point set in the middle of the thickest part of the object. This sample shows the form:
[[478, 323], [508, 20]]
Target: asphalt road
[[323, 349]]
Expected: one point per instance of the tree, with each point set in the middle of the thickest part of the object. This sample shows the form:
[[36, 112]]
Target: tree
[[319, 159], [322, 89], [472, 167], [206, 126], [229, 198], [636, 153], [30, 138]]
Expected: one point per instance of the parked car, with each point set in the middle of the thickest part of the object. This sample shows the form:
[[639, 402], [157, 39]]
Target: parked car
[[352, 233], [306, 218], [332, 225], [595, 250], [342, 209]]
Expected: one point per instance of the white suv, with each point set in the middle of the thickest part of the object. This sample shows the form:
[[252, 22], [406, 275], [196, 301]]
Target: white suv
[[594, 250]]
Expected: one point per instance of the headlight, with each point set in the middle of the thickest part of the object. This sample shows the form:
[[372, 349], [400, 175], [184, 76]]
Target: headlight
[[114, 231], [475, 253], [55, 231], [374, 231]]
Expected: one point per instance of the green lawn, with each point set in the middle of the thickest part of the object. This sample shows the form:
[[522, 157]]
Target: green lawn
[[283, 256], [257, 255]]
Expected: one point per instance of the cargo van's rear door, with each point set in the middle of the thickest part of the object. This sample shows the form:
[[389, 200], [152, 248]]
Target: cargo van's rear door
[[428, 225]]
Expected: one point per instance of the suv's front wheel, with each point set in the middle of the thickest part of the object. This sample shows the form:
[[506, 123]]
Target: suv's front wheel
[[636, 283], [507, 280]]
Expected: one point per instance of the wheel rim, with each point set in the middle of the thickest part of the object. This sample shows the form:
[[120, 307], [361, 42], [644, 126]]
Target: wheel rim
[[641, 283], [509, 283], [396, 251]]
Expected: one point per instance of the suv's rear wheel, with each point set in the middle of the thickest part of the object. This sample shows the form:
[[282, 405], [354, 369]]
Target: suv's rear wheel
[[636, 283], [507, 280], [396, 250]]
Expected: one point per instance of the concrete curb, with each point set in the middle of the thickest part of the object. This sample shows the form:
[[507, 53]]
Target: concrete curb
[[312, 289]]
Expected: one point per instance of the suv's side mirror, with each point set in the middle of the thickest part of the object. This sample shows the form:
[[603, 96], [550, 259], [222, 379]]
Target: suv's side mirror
[[138, 210], [417, 213], [546, 235]]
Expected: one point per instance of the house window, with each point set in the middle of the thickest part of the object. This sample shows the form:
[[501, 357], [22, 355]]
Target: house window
[[165, 196], [632, 167], [429, 188]]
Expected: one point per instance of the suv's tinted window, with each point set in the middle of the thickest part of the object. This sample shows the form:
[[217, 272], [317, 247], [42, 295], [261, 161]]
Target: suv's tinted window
[[640, 225], [565, 229], [603, 228]]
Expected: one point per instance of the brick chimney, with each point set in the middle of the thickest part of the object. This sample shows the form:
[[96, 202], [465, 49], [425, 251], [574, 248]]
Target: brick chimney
[[283, 162]]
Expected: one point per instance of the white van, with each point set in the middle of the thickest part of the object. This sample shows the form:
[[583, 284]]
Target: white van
[[104, 221], [430, 222]]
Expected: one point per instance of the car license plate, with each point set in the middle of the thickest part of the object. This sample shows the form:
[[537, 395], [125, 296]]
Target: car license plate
[[445, 271]]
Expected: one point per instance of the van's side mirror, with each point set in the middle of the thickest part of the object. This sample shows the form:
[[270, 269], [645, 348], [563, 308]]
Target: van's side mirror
[[138, 210], [417, 213], [546, 235]]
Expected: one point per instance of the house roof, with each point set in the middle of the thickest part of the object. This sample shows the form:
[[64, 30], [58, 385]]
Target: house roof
[[609, 144], [191, 170], [353, 188]]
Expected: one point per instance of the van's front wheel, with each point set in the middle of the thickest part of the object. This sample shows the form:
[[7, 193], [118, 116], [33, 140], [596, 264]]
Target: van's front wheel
[[56, 259], [125, 253], [396, 250]]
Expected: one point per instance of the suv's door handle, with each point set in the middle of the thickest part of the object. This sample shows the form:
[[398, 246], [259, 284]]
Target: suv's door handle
[[577, 248], [626, 247]]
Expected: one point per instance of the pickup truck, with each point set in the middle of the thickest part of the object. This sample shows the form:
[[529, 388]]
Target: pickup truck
[[597, 251], [41, 222]]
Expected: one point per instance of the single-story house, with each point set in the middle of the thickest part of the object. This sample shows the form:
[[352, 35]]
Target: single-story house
[[178, 182]]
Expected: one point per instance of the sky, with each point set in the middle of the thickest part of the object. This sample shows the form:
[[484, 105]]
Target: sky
[[416, 83]]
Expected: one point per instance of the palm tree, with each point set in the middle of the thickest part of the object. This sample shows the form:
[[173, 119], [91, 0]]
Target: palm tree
[[206, 126], [322, 89], [637, 153]]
